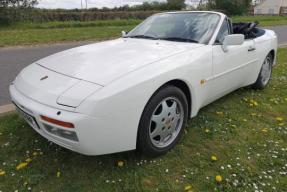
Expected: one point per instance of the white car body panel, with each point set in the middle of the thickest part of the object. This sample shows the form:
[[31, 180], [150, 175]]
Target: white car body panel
[[103, 88], [54, 89], [227, 67], [111, 59]]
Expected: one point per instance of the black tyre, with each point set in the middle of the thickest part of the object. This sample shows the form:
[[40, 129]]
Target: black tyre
[[265, 73], [163, 121]]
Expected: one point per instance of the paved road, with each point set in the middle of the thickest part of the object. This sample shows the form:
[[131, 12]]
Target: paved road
[[281, 32], [12, 60]]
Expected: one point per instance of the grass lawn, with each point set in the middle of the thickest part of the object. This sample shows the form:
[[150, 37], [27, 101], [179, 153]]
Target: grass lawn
[[246, 131], [51, 32], [263, 20]]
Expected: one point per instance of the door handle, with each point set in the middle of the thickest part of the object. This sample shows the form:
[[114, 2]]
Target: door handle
[[251, 49]]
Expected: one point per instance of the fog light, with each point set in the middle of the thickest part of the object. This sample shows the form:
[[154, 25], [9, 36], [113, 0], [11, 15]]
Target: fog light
[[71, 135]]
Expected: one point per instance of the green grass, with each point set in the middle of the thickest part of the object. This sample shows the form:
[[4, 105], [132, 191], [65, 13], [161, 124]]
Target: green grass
[[47, 36], [21, 34], [250, 144], [74, 24], [263, 20], [54, 32]]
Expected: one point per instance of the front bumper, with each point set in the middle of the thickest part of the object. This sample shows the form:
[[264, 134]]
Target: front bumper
[[96, 136]]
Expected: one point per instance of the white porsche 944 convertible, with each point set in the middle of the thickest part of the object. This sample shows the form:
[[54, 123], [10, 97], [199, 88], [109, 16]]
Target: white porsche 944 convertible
[[138, 91]]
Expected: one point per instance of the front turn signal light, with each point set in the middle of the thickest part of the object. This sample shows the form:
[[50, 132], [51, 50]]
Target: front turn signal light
[[57, 122]]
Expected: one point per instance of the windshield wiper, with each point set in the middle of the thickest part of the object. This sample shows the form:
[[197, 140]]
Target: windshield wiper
[[164, 38], [142, 37], [179, 39]]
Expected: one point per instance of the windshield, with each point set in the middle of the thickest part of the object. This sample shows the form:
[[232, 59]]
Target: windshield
[[186, 27]]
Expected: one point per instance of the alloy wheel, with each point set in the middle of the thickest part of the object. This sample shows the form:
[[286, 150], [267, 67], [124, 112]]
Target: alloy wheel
[[166, 122]]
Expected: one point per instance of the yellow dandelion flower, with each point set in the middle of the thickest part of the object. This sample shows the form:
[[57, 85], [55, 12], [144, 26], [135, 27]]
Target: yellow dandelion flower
[[206, 130], [219, 113], [279, 119], [58, 174], [265, 130], [187, 187], [218, 179], [120, 163], [29, 160], [213, 158], [21, 166], [255, 103], [2, 173]]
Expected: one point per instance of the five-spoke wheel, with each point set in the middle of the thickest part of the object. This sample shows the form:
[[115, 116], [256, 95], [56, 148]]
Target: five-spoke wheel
[[162, 121], [166, 122], [265, 73]]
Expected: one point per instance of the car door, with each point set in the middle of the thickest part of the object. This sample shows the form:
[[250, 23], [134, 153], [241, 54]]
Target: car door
[[229, 66]]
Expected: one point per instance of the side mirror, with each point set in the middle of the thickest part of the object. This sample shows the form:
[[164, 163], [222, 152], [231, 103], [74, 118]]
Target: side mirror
[[124, 33], [235, 39]]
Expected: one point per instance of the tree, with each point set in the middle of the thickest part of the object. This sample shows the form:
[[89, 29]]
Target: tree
[[12, 10], [230, 7], [17, 3], [176, 4]]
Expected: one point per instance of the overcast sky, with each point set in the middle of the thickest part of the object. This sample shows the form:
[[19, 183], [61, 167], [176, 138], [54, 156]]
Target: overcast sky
[[69, 4]]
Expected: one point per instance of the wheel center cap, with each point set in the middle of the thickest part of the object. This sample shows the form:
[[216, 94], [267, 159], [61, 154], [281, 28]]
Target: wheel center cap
[[168, 122]]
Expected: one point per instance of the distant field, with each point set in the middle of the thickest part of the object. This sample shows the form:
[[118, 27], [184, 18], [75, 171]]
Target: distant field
[[21, 34], [72, 24], [54, 32]]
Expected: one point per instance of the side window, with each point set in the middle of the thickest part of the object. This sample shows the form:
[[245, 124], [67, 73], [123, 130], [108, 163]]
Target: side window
[[224, 31]]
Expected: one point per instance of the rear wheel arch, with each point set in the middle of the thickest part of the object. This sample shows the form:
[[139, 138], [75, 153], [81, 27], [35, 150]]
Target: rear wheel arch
[[265, 72]]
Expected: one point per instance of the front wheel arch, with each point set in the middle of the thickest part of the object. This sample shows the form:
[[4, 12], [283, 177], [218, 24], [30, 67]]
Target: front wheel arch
[[183, 87], [272, 53]]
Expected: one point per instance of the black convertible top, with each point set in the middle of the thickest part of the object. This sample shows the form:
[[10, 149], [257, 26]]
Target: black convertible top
[[249, 30]]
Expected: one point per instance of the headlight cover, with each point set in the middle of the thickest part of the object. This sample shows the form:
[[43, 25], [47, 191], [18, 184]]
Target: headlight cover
[[76, 94]]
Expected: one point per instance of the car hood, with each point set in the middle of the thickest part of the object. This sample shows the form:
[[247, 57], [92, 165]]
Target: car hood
[[101, 63]]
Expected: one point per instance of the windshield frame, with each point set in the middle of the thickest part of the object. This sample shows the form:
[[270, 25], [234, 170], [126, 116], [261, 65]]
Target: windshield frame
[[209, 41]]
